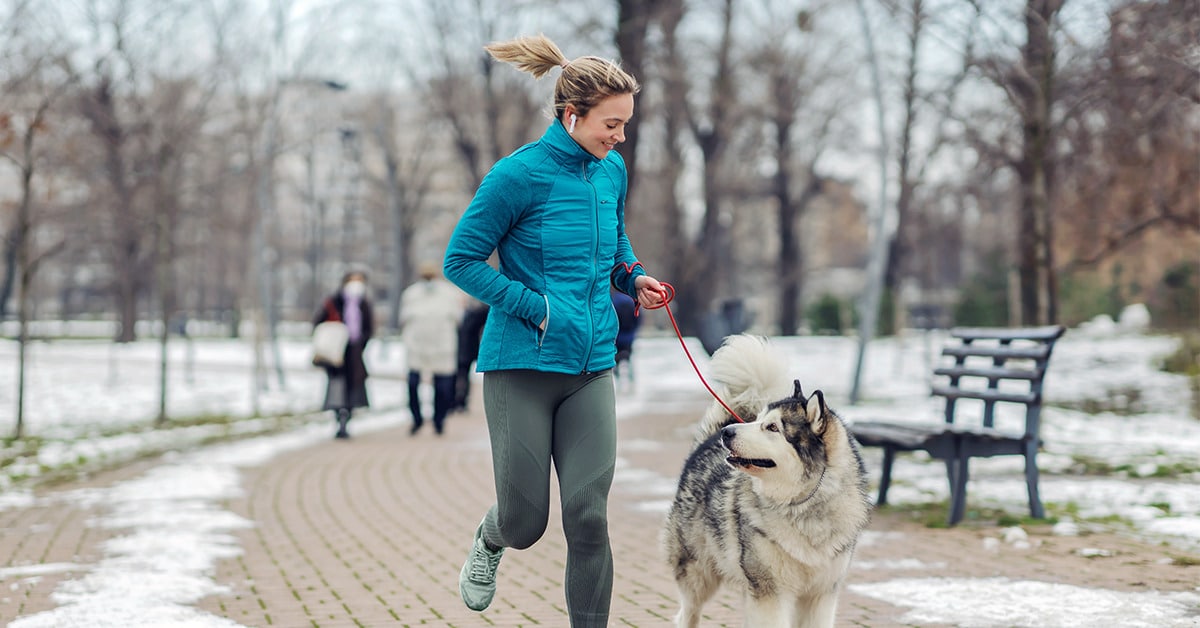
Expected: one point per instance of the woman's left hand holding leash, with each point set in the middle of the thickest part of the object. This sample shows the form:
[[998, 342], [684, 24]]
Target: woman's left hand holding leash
[[650, 293]]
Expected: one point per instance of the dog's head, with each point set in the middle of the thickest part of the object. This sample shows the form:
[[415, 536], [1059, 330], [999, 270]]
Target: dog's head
[[788, 439]]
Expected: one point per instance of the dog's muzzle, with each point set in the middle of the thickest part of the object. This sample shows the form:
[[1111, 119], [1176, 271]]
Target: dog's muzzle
[[727, 435]]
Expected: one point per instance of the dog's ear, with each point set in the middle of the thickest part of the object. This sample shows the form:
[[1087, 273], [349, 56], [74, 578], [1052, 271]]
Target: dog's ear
[[816, 409], [798, 393]]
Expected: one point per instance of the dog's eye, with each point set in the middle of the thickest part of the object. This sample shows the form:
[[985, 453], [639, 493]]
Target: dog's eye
[[772, 427]]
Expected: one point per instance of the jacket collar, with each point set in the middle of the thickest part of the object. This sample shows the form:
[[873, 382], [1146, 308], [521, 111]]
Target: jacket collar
[[564, 148]]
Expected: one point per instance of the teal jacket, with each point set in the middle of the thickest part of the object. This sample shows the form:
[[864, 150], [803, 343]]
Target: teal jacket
[[555, 215]]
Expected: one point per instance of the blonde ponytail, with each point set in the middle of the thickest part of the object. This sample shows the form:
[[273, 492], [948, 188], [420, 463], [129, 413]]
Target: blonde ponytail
[[584, 82], [535, 54]]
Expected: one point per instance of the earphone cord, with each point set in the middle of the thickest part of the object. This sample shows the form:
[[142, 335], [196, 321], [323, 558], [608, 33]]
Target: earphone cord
[[668, 295]]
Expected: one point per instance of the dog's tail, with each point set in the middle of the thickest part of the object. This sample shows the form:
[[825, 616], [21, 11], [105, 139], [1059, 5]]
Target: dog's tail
[[750, 373]]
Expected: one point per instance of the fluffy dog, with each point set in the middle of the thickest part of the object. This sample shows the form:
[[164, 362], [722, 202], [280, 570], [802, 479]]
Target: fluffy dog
[[772, 507]]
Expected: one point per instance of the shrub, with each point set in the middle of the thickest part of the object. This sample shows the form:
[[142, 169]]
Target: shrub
[[984, 299], [826, 315], [1176, 300], [1081, 297]]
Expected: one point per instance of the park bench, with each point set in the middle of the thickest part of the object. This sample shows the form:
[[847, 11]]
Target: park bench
[[990, 366]]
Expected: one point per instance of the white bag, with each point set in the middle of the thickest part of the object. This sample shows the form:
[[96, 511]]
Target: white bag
[[329, 343]]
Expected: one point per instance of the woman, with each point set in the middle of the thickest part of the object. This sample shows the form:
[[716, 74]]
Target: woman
[[347, 386], [553, 210]]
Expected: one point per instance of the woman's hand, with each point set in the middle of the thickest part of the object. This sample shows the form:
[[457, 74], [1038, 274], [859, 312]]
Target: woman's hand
[[650, 293]]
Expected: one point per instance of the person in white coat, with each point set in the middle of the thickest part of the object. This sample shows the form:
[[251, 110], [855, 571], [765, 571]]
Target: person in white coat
[[430, 312]]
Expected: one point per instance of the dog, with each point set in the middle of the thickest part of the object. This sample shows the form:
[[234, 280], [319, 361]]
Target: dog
[[773, 506]]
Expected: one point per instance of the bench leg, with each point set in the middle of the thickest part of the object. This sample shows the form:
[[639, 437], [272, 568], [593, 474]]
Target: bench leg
[[885, 479], [1031, 482], [958, 487]]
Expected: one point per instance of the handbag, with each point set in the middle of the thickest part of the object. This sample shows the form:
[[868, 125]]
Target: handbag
[[329, 340]]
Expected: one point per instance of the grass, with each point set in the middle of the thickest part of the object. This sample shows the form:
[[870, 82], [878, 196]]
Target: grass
[[936, 514], [1186, 360], [1121, 401], [1185, 561], [1092, 466]]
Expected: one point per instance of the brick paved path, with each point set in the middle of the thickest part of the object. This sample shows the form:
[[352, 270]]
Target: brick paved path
[[373, 531]]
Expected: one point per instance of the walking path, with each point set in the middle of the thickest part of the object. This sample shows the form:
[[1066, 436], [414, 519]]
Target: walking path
[[373, 531]]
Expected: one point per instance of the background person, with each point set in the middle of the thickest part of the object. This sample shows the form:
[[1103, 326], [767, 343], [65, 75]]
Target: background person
[[627, 326], [470, 332], [430, 311], [346, 388], [548, 346]]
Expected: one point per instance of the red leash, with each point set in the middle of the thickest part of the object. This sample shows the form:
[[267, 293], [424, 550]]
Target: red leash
[[668, 295]]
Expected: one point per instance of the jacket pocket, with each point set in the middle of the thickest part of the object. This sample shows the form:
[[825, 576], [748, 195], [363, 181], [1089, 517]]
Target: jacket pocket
[[540, 330]]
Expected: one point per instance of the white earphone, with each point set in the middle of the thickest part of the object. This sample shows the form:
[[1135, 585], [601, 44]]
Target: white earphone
[[571, 129]]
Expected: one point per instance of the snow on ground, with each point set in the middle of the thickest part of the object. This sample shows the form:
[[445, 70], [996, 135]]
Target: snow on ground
[[1109, 404], [177, 531], [990, 602]]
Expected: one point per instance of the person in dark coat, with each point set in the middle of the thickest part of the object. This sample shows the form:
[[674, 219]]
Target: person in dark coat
[[347, 385], [469, 334], [627, 326]]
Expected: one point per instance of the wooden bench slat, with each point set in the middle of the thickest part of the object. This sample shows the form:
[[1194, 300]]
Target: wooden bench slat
[[1040, 352], [1048, 332], [985, 394], [907, 436], [994, 372]]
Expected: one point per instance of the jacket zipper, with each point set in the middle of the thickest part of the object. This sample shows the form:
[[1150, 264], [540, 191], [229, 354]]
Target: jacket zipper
[[587, 360]]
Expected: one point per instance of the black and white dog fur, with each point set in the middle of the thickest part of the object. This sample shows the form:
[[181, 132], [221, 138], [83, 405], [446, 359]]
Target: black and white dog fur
[[773, 506]]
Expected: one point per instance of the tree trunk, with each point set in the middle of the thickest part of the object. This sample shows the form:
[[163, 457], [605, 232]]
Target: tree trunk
[[678, 249], [8, 281], [1035, 90], [710, 266], [22, 259], [633, 20], [900, 252]]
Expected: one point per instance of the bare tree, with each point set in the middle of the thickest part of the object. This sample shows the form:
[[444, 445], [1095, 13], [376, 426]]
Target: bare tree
[[24, 258], [677, 251], [453, 114], [128, 123], [868, 308], [1030, 83], [288, 62], [36, 91], [1035, 92], [799, 126], [917, 246], [405, 183], [634, 18], [181, 114], [37, 76], [1135, 166], [710, 111], [499, 119]]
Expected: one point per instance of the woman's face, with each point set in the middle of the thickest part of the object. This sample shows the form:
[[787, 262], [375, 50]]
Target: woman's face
[[604, 126]]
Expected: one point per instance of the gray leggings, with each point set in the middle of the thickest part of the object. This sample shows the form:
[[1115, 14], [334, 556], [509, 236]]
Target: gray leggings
[[535, 418]]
